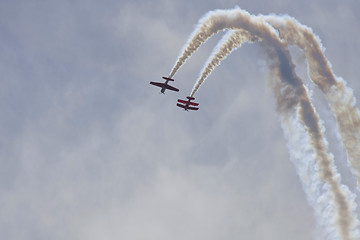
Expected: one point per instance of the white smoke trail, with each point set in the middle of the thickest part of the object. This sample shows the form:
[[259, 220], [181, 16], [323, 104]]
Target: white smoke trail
[[308, 149], [206, 27], [297, 97], [210, 24], [302, 156], [340, 97], [230, 42]]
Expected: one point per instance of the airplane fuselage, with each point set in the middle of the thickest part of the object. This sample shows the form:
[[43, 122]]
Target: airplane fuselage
[[187, 104], [164, 87]]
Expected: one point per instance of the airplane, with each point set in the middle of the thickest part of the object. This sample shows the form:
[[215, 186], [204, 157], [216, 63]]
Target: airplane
[[165, 85], [186, 104]]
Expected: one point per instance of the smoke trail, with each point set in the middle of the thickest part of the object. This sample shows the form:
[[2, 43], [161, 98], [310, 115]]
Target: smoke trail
[[206, 27], [319, 199], [340, 97], [302, 156], [314, 141], [230, 42], [297, 97]]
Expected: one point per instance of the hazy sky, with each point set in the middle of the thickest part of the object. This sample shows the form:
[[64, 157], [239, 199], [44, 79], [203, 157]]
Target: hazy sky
[[89, 150]]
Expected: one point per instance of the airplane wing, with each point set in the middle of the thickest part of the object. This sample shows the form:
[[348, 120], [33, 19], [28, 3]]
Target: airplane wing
[[172, 88], [186, 108], [179, 105], [190, 103], [158, 84]]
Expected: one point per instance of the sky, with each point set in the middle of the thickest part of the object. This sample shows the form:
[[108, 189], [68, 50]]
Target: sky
[[89, 150]]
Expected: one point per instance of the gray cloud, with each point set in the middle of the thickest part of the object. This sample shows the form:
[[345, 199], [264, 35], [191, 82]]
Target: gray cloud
[[89, 150]]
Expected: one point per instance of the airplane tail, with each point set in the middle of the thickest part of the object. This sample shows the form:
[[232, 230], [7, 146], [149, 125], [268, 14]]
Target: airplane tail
[[169, 79]]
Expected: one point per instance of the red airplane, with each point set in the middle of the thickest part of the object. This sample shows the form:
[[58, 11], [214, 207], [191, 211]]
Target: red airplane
[[165, 85], [186, 104]]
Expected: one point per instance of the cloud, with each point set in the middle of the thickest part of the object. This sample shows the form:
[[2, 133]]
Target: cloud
[[91, 150]]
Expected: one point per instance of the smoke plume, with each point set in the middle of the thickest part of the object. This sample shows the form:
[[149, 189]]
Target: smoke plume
[[230, 42], [339, 96], [333, 202], [206, 27]]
